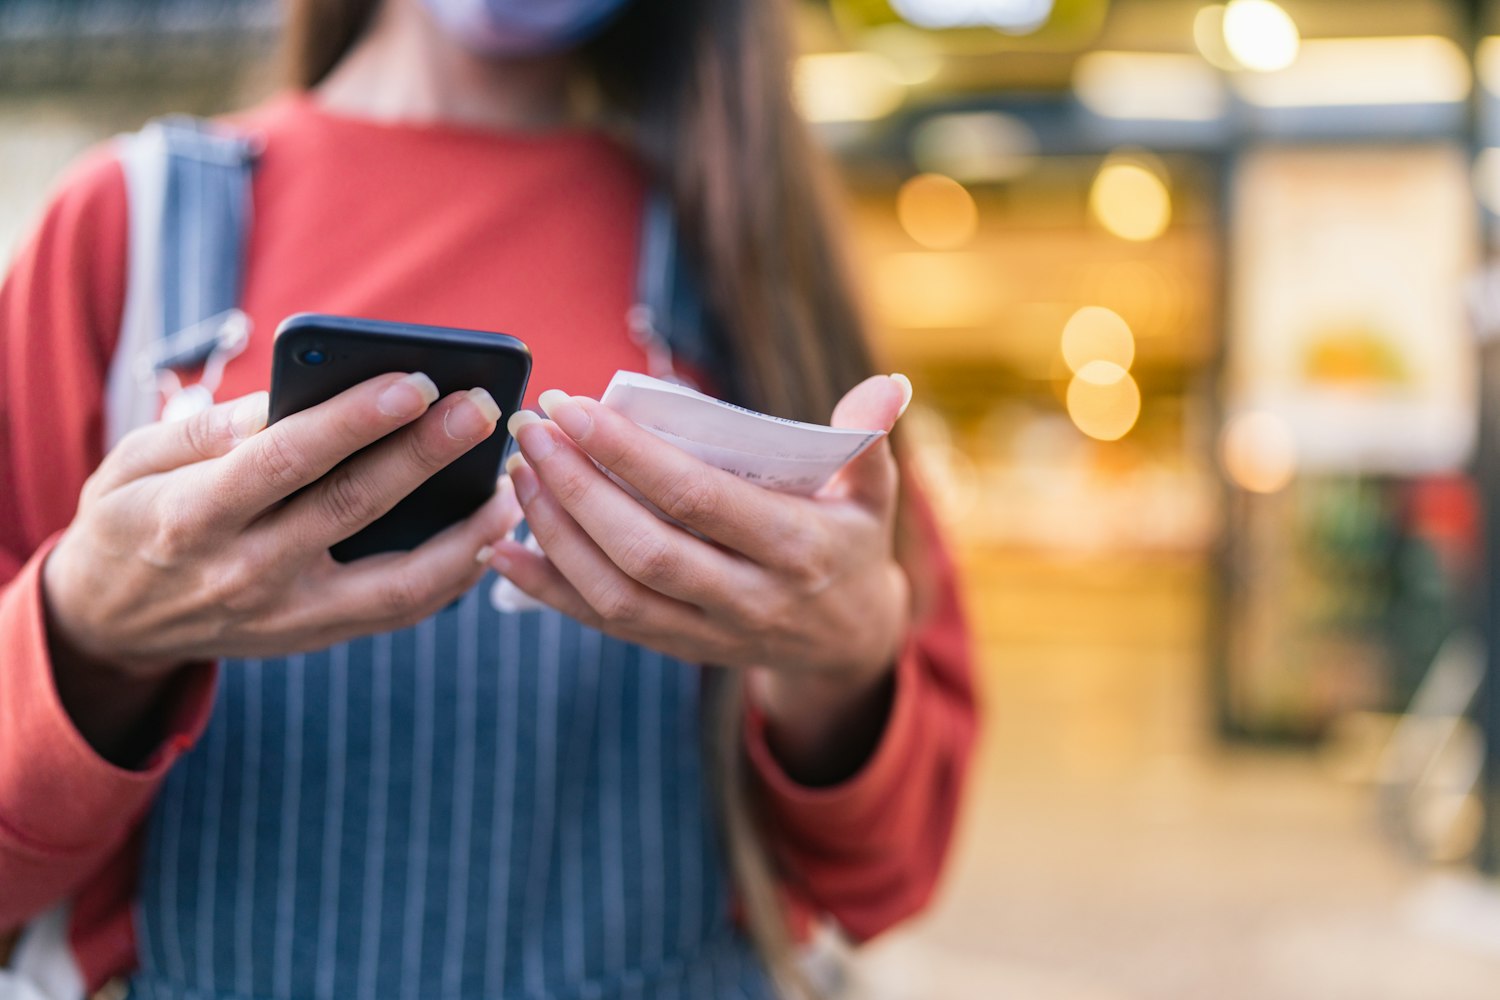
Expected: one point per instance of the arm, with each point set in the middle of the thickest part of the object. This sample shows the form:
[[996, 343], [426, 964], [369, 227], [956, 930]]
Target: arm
[[191, 541], [868, 850], [65, 811]]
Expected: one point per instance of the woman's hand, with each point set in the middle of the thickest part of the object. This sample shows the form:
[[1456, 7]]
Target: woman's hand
[[805, 588], [189, 543]]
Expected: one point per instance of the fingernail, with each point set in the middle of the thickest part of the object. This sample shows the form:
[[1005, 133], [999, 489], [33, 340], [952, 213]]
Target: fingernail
[[566, 413], [484, 554], [905, 384], [248, 417], [407, 397], [486, 404], [473, 417], [515, 461], [537, 443], [520, 419]]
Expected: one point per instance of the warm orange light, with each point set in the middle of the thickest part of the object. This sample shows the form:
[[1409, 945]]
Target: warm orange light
[[1097, 334], [1259, 452], [1260, 35], [923, 289], [1103, 401], [1355, 72], [937, 211], [1152, 86], [846, 87], [1208, 33], [1130, 200]]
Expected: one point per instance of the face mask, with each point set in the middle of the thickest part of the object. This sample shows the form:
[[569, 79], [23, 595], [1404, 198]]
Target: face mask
[[522, 27]]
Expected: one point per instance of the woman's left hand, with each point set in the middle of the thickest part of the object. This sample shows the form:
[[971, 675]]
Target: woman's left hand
[[806, 587]]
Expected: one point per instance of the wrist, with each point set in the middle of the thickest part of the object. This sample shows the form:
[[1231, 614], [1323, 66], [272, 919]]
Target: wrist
[[822, 728], [115, 705], [787, 696], [822, 724]]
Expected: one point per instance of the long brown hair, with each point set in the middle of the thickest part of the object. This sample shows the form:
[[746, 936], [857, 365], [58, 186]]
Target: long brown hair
[[705, 87]]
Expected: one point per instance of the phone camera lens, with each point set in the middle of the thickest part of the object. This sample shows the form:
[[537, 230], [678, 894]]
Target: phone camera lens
[[313, 356]]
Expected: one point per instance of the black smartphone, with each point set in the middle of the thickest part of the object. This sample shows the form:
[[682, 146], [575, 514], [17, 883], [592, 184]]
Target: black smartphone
[[316, 357]]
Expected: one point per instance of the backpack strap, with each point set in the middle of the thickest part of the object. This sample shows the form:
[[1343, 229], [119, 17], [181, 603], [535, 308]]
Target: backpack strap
[[189, 181], [188, 186], [670, 319]]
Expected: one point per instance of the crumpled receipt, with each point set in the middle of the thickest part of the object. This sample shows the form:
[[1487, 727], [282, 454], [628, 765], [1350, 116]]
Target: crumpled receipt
[[778, 454]]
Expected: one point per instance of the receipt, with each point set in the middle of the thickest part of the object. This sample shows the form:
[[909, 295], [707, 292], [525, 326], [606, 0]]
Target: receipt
[[779, 454]]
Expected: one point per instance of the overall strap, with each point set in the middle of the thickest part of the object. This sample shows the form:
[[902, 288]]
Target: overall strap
[[670, 319], [188, 187]]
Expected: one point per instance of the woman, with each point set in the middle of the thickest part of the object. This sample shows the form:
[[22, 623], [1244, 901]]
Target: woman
[[476, 804]]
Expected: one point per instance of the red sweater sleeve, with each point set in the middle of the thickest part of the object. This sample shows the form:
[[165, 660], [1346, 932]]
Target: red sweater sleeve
[[868, 852], [66, 814]]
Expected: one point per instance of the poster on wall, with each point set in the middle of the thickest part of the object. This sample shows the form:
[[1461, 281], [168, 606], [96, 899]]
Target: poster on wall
[[1348, 319]]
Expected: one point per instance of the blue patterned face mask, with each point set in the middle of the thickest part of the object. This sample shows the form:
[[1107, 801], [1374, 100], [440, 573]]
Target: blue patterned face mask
[[522, 27]]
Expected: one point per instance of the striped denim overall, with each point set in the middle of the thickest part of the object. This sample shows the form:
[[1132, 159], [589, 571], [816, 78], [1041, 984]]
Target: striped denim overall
[[486, 805]]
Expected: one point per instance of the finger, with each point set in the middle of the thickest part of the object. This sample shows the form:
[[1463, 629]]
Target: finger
[[533, 574], [767, 527], [659, 555], [162, 447], [301, 448], [395, 589], [359, 491], [875, 405], [616, 598]]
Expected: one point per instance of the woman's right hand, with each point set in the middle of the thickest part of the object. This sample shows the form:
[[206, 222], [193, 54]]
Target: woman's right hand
[[185, 546]]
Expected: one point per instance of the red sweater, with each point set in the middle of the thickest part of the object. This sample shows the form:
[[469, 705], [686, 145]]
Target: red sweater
[[391, 221]]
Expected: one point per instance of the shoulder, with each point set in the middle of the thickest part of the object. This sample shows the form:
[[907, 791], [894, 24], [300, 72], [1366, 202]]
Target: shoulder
[[76, 251], [280, 113], [89, 195]]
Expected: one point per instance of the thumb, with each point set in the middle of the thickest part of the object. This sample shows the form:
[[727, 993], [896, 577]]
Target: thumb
[[168, 445], [873, 405]]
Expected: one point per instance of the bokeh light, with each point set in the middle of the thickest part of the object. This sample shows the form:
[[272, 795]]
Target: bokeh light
[[1148, 295], [1149, 86], [847, 87], [1010, 16], [1260, 35], [914, 56], [1097, 334], [972, 146], [1355, 72], [1487, 63], [937, 211], [1130, 200], [1259, 452], [927, 289], [1104, 401], [1208, 35]]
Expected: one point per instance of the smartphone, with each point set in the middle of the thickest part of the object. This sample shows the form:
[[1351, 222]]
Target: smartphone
[[316, 357]]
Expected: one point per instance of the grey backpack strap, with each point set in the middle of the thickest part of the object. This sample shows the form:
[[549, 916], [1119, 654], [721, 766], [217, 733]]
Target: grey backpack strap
[[671, 320], [188, 186]]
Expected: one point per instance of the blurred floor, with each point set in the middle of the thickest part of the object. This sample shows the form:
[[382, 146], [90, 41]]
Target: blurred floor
[[1112, 852]]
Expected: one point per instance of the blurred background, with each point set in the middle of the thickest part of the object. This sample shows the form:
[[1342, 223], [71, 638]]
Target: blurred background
[[1196, 302]]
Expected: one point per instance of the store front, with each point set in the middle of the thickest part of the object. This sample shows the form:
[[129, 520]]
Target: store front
[[1186, 297]]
